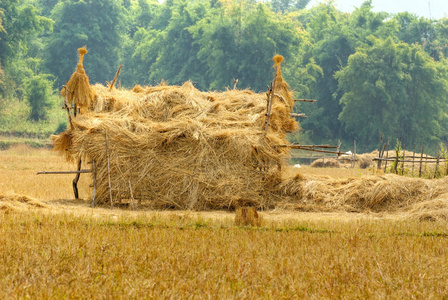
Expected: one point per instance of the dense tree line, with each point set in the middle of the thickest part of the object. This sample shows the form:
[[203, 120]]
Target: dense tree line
[[371, 72]]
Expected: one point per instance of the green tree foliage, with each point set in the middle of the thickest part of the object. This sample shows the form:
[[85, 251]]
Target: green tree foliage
[[38, 92], [395, 89], [432, 35], [19, 25], [95, 23], [287, 5], [240, 43]]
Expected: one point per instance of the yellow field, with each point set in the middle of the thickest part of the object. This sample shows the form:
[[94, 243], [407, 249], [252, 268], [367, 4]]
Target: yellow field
[[65, 249]]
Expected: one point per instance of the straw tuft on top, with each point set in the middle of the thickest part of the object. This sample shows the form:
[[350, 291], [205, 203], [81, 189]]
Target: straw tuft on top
[[277, 59], [78, 90]]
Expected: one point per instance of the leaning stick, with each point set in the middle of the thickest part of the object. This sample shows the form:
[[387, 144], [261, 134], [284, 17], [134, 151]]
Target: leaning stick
[[115, 78]]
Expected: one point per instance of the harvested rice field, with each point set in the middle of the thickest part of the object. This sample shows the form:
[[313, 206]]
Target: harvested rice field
[[339, 233]]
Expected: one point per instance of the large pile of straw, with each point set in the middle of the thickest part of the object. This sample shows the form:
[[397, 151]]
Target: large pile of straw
[[174, 146]]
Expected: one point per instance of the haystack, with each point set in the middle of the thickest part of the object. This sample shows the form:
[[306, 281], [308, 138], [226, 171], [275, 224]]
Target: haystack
[[177, 147]]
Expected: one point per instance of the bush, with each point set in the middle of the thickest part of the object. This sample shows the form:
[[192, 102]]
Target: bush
[[38, 91]]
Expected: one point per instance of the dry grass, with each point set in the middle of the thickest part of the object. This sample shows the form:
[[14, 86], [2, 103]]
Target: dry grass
[[64, 249], [153, 255]]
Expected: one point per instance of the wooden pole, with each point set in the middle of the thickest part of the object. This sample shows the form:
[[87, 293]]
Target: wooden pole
[[115, 78], [397, 153], [436, 171], [421, 162], [94, 182], [402, 163], [108, 171], [304, 100], [354, 153], [379, 149], [75, 181], [387, 155], [413, 159], [63, 172]]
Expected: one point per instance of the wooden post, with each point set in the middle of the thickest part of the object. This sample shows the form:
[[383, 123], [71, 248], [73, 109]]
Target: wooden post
[[413, 159], [75, 181], [379, 149], [354, 154], [397, 153], [115, 78], [94, 183], [404, 156], [338, 151], [108, 171], [387, 155], [436, 171], [421, 161]]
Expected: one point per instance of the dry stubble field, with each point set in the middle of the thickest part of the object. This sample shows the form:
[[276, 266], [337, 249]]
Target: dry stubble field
[[61, 248]]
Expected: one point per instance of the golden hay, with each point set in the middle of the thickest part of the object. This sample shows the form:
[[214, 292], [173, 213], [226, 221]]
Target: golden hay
[[13, 202], [245, 216], [78, 89], [171, 147], [325, 163]]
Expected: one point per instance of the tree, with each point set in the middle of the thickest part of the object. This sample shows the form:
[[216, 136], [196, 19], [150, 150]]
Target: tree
[[287, 5], [79, 23], [240, 43], [395, 89], [38, 91], [19, 25]]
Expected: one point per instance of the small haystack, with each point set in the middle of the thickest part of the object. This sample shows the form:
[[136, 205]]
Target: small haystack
[[325, 163], [13, 202], [178, 147]]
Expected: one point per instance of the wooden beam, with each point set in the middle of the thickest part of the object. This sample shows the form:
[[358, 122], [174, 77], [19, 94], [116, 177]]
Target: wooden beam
[[304, 100], [63, 172]]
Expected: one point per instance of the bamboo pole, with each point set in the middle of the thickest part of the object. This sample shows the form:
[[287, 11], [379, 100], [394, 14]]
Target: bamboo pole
[[402, 163], [409, 160], [379, 149], [63, 172], [413, 159], [436, 171], [94, 183], [304, 100], [387, 155], [270, 100], [115, 78], [108, 171], [421, 160]]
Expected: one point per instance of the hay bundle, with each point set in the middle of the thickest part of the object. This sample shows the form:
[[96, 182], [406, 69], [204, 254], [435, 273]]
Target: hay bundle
[[78, 89], [245, 216], [172, 146], [325, 163], [14, 202]]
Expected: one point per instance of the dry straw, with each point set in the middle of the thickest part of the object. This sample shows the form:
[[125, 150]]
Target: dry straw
[[178, 147], [182, 148], [78, 90]]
